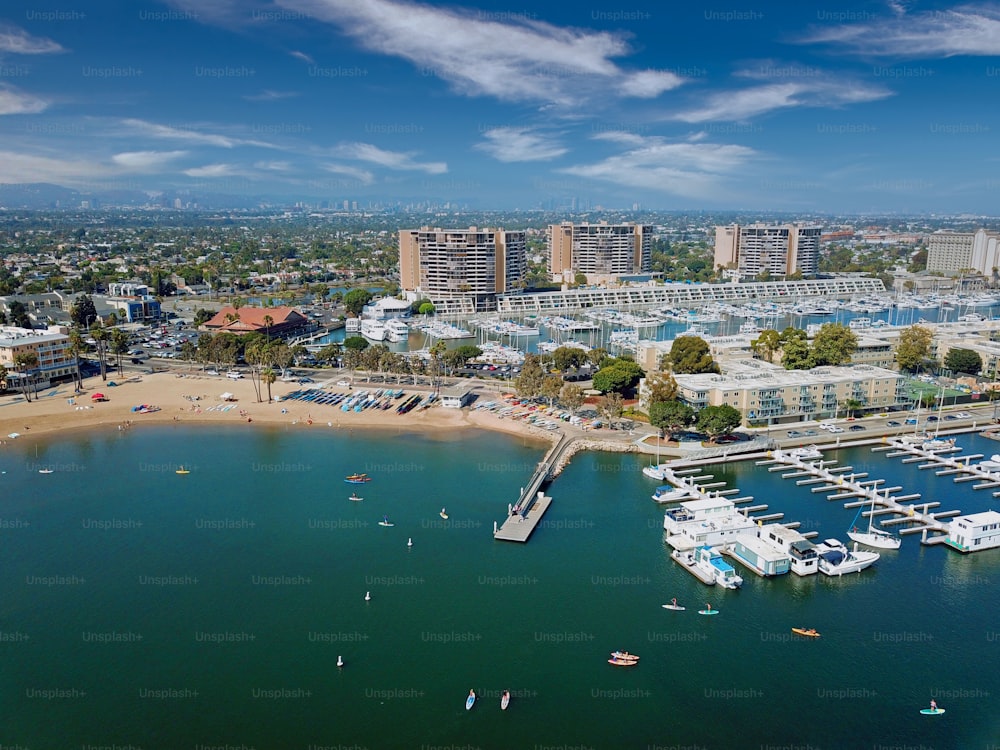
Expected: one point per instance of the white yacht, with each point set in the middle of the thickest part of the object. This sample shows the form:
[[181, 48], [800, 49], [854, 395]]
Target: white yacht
[[396, 330], [804, 453], [373, 330], [667, 493], [835, 559]]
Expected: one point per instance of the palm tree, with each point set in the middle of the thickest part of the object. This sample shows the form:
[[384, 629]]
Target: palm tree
[[100, 335], [119, 345], [268, 376], [25, 361], [76, 348], [268, 322]]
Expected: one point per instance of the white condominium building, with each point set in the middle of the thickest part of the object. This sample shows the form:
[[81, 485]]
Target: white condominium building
[[472, 264], [778, 250], [960, 252], [601, 251]]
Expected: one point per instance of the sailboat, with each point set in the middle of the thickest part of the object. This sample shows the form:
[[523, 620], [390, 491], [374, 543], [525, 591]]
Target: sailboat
[[874, 537]]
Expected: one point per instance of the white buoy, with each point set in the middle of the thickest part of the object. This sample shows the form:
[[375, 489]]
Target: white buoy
[[340, 661], [368, 596], [409, 542]]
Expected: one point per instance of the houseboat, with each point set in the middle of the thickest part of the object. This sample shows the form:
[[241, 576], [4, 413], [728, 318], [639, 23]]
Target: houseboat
[[803, 558], [974, 532]]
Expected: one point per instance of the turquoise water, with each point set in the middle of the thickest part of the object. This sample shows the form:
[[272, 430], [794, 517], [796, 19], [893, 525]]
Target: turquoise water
[[144, 608]]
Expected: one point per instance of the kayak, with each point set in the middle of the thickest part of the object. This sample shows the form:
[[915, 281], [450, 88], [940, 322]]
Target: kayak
[[470, 701], [808, 632]]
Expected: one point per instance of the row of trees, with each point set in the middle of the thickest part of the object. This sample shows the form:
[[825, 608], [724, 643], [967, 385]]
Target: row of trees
[[833, 344]]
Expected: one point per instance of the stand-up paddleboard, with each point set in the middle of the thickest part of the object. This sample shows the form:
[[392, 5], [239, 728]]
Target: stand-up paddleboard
[[470, 701], [443, 514], [386, 522], [675, 607], [623, 662], [931, 711], [708, 611], [355, 498], [505, 700]]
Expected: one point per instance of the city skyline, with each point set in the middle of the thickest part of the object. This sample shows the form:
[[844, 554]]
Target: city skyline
[[861, 107]]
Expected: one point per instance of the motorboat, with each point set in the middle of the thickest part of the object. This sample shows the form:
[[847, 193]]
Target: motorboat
[[711, 563], [357, 478], [667, 493], [835, 559], [804, 453], [657, 471]]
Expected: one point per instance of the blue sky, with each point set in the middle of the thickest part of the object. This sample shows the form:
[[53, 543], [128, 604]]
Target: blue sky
[[853, 107]]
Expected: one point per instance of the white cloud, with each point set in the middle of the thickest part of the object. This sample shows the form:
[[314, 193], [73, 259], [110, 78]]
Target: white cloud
[[145, 161], [273, 166], [392, 159], [16, 102], [212, 170], [20, 42], [362, 175], [267, 95], [302, 56], [519, 144], [20, 166], [188, 135], [813, 89], [963, 30], [508, 56], [698, 170]]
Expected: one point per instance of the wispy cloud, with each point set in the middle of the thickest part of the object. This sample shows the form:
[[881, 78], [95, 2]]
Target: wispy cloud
[[212, 170], [392, 159], [20, 42], [362, 175], [697, 170], [145, 161], [782, 86], [273, 166], [16, 102], [302, 56], [267, 95], [963, 30], [188, 135], [520, 144], [508, 56]]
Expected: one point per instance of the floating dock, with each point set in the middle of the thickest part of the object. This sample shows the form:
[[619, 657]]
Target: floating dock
[[521, 522]]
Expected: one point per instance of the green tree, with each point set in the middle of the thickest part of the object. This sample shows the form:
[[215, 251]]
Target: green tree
[[201, 315], [571, 396], [551, 388], [426, 308], [18, 314], [100, 335], [3, 377], [690, 355], [796, 355], [119, 345], [963, 360], [189, 352], [716, 421], [269, 377], [851, 406], [618, 377], [83, 312], [529, 382], [611, 406], [357, 343], [355, 300], [661, 387], [670, 417], [76, 348], [568, 358], [767, 344], [914, 347], [833, 344]]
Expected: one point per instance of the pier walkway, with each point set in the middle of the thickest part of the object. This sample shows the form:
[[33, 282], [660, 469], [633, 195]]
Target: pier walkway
[[524, 515], [934, 457]]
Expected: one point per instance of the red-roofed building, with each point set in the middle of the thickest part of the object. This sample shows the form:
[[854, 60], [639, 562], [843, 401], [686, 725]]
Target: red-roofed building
[[283, 321]]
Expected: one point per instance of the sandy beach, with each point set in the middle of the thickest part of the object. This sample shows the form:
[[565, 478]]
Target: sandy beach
[[196, 399]]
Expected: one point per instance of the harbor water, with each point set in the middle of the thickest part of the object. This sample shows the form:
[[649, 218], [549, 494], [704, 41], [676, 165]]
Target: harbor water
[[145, 608]]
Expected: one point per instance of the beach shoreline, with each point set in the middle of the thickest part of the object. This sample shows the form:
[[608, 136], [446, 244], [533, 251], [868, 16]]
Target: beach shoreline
[[197, 400]]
